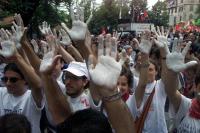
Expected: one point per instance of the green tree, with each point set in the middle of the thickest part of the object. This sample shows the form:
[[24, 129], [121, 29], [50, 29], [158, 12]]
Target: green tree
[[159, 15], [106, 16]]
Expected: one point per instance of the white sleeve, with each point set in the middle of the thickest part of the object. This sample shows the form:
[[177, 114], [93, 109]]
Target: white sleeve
[[182, 111], [92, 104], [131, 103]]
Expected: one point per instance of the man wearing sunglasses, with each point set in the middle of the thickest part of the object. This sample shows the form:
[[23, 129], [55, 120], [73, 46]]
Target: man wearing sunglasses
[[16, 96]]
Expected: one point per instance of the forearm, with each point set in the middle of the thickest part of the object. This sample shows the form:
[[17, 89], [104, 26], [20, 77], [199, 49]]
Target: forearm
[[31, 77], [33, 58], [65, 55], [120, 116], [75, 53], [143, 80], [171, 82], [56, 100]]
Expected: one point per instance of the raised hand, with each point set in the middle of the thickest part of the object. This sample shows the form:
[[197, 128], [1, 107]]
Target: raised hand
[[35, 46], [8, 48], [48, 61], [111, 69], [65, 40], [162, 40], [175, 59], [17, 30], [7, 44], [79, 28], [146, 42], [45, 28]]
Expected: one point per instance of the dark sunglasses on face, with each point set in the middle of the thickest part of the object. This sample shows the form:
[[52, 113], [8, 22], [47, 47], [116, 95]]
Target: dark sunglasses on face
[[11, 79]]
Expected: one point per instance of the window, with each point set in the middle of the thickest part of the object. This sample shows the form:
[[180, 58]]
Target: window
[[191, 16], [181, 1], [180, 18], [191, 7]]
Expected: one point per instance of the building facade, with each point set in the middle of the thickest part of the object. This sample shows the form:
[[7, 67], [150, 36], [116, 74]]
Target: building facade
[[182, 10]]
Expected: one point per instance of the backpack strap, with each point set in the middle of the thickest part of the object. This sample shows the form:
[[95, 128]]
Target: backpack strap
[[139, 123]]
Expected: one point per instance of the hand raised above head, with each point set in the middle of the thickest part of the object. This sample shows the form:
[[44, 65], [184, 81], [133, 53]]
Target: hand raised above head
[[175, 59]]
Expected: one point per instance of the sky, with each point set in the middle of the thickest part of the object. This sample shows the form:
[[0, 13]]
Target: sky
[[149, 2]]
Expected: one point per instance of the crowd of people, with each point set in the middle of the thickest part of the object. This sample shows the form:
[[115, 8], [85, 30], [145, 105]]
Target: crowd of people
[[73, 82]]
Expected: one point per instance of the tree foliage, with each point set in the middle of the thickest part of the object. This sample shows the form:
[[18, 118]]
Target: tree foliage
[[159, 15]]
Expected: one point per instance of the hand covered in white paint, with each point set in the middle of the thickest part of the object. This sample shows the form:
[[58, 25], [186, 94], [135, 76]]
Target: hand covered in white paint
[[146, 42], [48, 61], [35, 46], [18, 30], [8, 48], [7, 45], [45, 28], [79, 28], [106, 72], [175, 59], [162, 40], [65, 40]]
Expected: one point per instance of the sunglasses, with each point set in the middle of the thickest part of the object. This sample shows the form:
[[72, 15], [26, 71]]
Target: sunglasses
[[11, 79]]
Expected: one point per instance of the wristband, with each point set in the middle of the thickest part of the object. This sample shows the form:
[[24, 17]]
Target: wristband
[[163, 58], [113, 97]]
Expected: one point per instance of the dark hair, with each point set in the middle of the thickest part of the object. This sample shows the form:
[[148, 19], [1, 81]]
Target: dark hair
[[128, 74], [85, 121], [13, 67], [14, 123], [155, 64]]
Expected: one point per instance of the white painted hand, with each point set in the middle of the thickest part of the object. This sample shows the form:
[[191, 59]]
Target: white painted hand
[[106, 72], [65, 40], [8, 48], [162, 40], [79, 28], [18, 30], [46, 61], [175, 59], [35, 46], [45, 28], [146, 42]]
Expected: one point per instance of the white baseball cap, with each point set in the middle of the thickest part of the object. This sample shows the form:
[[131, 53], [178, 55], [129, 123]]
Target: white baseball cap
[[78, 68]]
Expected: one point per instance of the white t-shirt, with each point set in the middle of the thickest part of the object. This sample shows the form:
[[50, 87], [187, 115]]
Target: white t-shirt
[[155, 120], [84, 101], [24, 104], [183, 122]]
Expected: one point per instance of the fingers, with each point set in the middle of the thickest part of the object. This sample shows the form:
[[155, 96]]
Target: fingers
[[158, 30], [187, 47], [100, 45], [108, 44], [72, 13], [175, 44], [113, 52], [162, 31]]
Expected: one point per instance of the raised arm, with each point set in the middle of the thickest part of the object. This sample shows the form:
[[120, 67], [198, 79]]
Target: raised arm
[[56, 100], [145, 47], [9, 51], [172, 64]]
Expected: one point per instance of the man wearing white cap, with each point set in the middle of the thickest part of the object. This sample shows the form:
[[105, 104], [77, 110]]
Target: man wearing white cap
[[76, 78]]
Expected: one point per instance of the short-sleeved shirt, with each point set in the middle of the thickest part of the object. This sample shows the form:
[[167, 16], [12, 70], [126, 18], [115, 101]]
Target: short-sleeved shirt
[[24, 104], [183, 122], [155, 120]]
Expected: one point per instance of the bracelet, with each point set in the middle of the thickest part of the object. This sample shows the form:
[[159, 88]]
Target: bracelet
[[113, 97], [163, 58]]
